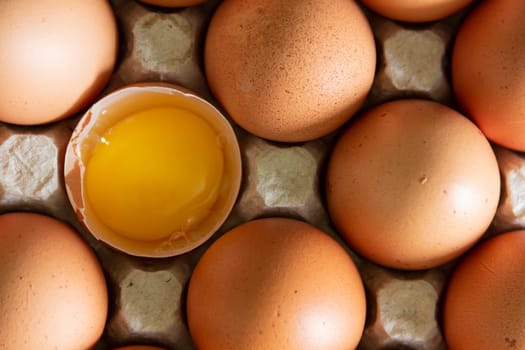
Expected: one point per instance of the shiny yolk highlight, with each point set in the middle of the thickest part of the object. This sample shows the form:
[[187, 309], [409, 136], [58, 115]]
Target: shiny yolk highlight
[[155, 173]]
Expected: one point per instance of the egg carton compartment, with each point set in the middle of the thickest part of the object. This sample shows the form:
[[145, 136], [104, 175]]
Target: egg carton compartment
[[147, 296]]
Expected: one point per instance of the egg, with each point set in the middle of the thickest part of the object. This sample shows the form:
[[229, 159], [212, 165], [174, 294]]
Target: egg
[[173, 3], [484, 302], [53, 293], [152, 170], [290, 71], [275, 283], [487, 71], [416, 10], [412, 184], [56, 56]]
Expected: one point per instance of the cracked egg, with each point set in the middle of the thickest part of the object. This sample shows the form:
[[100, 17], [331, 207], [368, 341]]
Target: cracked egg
[[152, 170]]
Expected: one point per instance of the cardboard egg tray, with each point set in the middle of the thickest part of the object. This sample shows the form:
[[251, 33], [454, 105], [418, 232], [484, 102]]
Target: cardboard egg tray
[[147, 295]]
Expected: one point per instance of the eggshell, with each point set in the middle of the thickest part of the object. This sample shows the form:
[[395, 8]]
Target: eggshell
[[55, 57], [412, 184], [483, 306], [290, 71], [416, 10], [275, 283], [117, 106], [488, 73], [53, 292]]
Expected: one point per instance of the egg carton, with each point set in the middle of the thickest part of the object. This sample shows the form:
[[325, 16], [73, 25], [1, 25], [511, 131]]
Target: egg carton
[[147, 295]]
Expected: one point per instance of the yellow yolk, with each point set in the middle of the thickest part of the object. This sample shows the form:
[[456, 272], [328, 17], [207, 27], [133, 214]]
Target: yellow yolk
[[155, 173]]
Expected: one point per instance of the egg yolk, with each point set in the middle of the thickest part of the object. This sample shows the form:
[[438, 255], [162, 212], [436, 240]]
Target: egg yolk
[[155, 174]]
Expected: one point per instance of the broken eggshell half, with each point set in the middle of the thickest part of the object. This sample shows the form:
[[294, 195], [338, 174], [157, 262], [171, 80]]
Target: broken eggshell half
[[119, 105]]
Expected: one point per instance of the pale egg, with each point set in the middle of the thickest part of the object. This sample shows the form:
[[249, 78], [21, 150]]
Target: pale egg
[[56, 56]]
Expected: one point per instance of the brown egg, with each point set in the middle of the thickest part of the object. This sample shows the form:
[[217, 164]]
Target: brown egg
[[488, 73], [53, 293], [483, 306], [290, 70], [416, 10], [276, 283], [55, 57], [412, 184], [173, 3]]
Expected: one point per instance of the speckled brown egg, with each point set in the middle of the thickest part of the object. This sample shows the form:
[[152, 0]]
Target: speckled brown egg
[[56, 56], [53, 292], [276, 283], [412, 184], [483, 306], [488, 73], [290, 70]]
